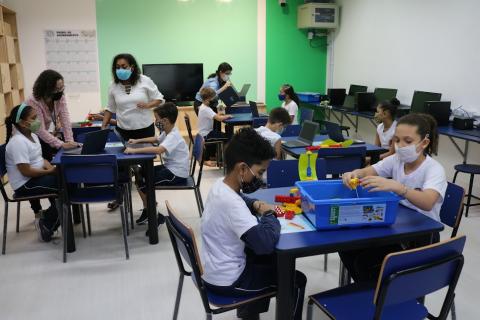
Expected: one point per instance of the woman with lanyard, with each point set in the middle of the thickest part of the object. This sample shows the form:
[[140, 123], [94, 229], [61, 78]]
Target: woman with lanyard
[[131, 96], [50, 105], [218, 81]]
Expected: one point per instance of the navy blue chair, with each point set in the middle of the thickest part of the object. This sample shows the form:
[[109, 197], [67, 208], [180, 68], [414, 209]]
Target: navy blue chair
[[472, 170], [192, 182], [13, 199], [306, 114], [284, 173], [186, 250], [90, 179], [340, 160], [258, 122], [292, 130], [405, 277]]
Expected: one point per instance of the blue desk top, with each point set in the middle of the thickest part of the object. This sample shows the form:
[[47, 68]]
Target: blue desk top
[[409, 223], [297, 151], [240, 118], [470, 135], [118, 151]]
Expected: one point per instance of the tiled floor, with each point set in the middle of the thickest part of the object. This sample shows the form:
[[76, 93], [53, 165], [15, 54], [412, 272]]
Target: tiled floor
[[98, 283]]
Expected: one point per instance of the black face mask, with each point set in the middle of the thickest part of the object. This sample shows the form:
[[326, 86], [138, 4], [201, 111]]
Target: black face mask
[[57, 95], [160, 126], [252, 186]]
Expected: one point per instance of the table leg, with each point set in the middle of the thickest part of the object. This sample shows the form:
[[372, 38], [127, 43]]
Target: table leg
[[151, 203], [285, 286], [465, 153], [76, 209]]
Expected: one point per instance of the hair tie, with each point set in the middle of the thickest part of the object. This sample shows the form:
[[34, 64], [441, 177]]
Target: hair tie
[[19, 112]]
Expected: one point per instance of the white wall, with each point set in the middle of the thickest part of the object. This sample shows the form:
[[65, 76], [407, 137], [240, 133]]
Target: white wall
[[430, 45], [33, 17]]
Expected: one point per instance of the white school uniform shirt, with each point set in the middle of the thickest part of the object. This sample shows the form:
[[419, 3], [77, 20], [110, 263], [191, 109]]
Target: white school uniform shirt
[[292, 109], [386, 136], [429, 175], [269, 135], [205, 120], [19, 150], [129, 116], [175, 158], [225, 219]]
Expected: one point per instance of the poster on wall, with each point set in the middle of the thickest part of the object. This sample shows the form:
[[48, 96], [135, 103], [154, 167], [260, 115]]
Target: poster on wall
[[73, 53]]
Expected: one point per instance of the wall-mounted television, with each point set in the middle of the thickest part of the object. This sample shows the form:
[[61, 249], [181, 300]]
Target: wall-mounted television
[[178, 82]]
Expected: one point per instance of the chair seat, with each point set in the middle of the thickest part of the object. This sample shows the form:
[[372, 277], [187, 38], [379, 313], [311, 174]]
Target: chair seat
[[189, 184], [468, 168], [226, 301], [355, 301], [41, 196], [92, 195]]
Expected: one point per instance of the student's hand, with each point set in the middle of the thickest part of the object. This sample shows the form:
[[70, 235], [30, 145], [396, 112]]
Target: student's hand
[[130, 151], [51, 170], [70, 145], [347, 176], [143, 105], [262, 207], [96, 117], [376, 183], [132, 141]]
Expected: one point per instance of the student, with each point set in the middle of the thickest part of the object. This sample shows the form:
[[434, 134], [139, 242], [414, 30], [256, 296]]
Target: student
[[28, 172], [416, 177], [239, 234], [206, 116], [131, 96], [385, 117], [174, 151], [290, 101], [278, 119]]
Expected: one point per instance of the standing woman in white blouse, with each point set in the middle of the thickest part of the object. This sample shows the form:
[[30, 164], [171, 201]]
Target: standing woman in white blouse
[[131, 96]]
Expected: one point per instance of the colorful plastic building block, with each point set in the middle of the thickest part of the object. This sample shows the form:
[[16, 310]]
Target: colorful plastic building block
[[286, 199], [292, 207], [289, 215], [279, 212], [354, 183]]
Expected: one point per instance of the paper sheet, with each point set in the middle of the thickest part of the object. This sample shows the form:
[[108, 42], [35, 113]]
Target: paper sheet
[[298, 224]]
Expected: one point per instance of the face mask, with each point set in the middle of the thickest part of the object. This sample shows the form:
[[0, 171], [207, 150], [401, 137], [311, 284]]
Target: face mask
[[160, 126], [252, 186], [57, 95], [34, 126], [407, 154], [225, 77], [123, 74], [281, 97]]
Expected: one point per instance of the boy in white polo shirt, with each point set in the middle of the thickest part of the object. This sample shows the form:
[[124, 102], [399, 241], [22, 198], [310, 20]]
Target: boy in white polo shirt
[[278, 119], [239, 234], [174, 151]]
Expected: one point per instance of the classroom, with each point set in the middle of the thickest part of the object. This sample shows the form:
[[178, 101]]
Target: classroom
[[239, 159]]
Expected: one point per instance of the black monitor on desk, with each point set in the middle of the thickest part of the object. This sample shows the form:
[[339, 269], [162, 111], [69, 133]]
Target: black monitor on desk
[[385, 94], [356, 88], [419, 99], [337, 96]]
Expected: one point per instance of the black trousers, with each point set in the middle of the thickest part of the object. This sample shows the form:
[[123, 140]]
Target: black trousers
[[364, 264], [138, 133], [260, 275]]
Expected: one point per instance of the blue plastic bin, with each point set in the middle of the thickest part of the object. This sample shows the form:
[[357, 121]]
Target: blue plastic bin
[[329, 204], [309, 96]]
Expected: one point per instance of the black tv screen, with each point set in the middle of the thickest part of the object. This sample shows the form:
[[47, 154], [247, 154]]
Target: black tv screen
[[177, 82]]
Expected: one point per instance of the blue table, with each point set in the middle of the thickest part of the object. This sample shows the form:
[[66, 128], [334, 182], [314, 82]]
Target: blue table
[[239, 119], [373, 151], [467, 135], [409, 225], [146, 160]]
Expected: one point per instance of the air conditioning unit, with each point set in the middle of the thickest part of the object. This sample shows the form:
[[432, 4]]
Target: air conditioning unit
[[317, 16]]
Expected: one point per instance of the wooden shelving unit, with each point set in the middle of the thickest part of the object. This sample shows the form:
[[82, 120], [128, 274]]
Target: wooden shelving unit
[[11, 70]]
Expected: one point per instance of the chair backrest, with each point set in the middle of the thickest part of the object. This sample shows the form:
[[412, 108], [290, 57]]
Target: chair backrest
[[188, 124], [3, 171], [340, 160], [292, 130], [284, 173], [306, 114], [452, 207], [197, 154], [412, 274], [185, 249], [258, 122]]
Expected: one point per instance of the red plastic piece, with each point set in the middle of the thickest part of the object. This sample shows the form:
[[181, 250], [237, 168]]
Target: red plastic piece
[[286, 199], [279, 212], [289, 215]]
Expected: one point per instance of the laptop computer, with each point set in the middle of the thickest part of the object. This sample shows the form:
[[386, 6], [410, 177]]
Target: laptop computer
[[243, 93], [440, 110], [334, 132], [229, 96], [366, 101], [337, 96], [306, 136], [255, 113], [94, 143], [130, 145]]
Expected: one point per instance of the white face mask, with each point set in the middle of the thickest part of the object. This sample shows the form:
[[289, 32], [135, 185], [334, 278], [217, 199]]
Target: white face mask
[[407, 154], [225, 77]]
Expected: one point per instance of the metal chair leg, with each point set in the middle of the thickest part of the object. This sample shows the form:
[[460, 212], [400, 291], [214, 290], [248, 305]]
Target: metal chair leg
[[455, 176], [453, 312], [325, 262], [5, 221], [89, 225], [309, 310], [130, 205], [469, 196], [82, 219], [179, 295], [18, 217], [124, 230], [125, 202], [65, 212], [208, 316]]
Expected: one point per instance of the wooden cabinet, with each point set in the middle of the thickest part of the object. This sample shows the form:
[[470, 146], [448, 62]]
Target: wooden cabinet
[[11, 70]]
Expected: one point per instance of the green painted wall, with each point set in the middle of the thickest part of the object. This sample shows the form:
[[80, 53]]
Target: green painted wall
[[172, 31], [289, 56]]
